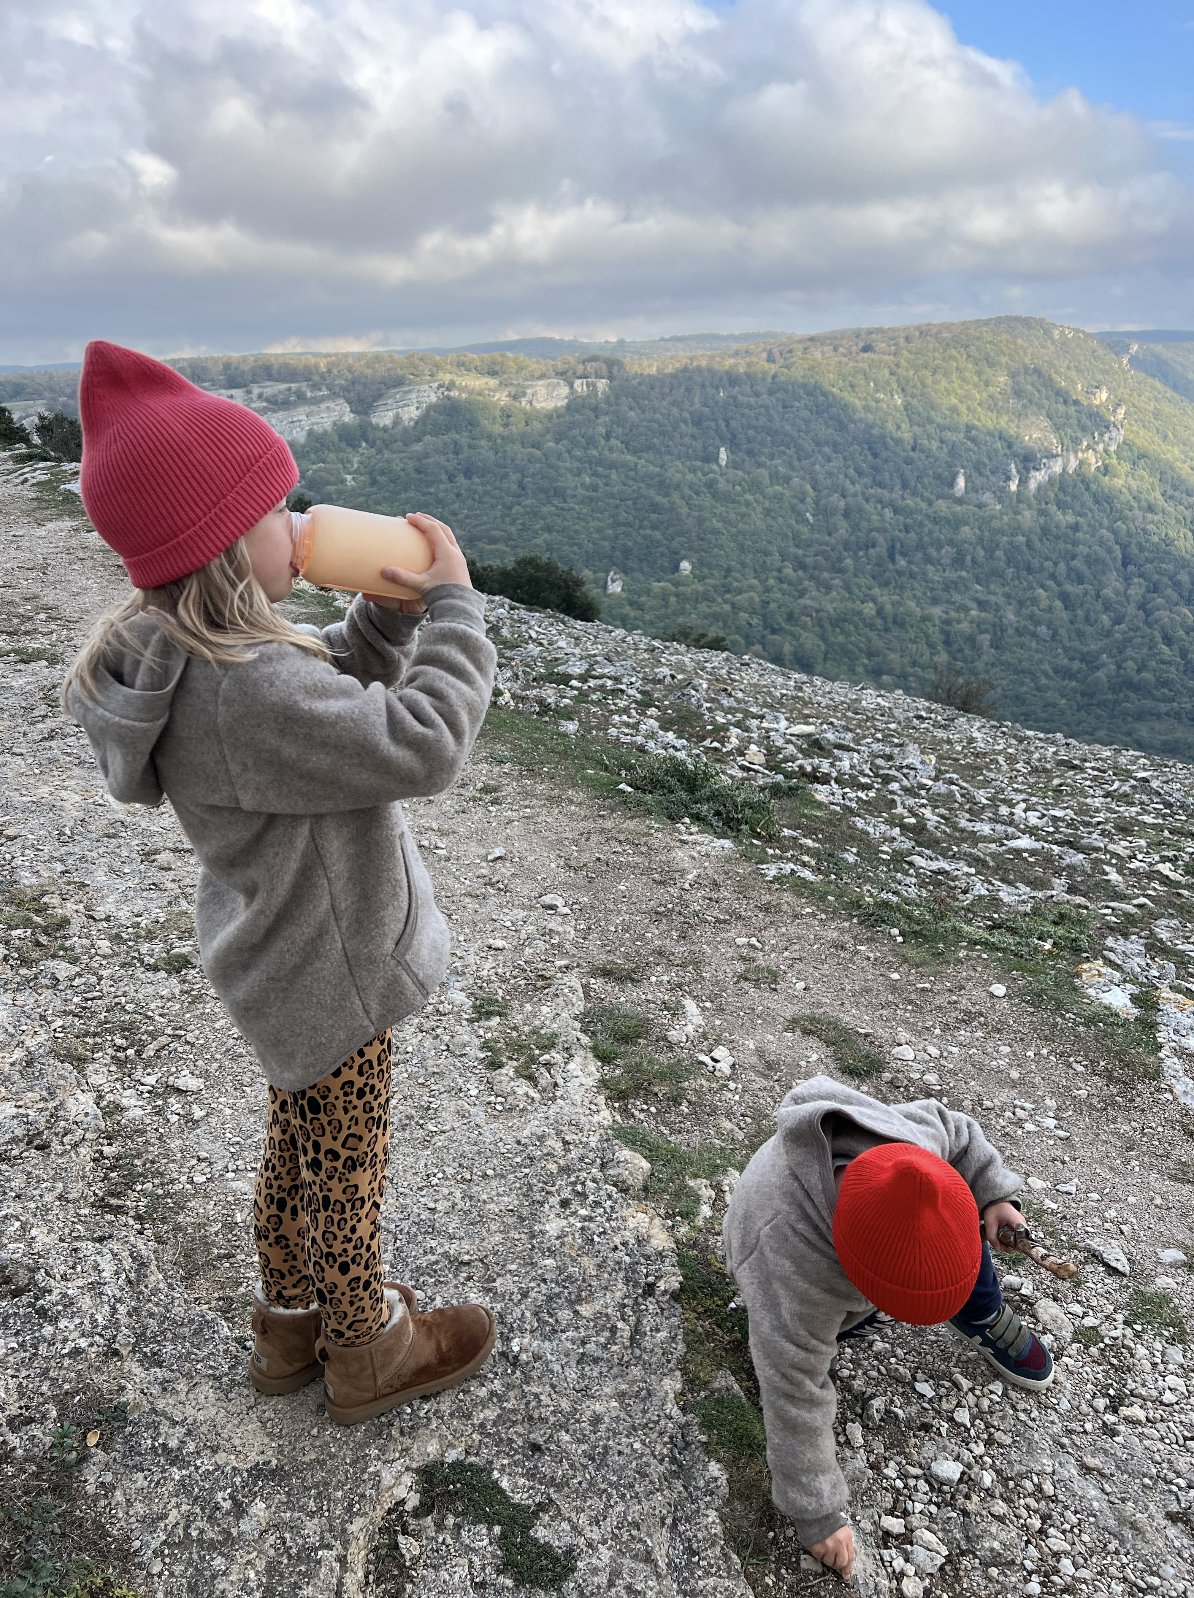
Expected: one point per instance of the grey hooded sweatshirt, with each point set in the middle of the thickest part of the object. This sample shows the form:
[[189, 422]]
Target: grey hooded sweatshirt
[[316, 921], [778, 1236]]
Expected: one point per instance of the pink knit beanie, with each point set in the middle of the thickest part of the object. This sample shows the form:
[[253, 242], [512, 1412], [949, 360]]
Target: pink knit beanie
[[171, 476], [906, 1233]]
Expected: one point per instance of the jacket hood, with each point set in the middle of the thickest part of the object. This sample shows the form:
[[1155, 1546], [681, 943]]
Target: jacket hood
[[802, 1139], [135, 687]]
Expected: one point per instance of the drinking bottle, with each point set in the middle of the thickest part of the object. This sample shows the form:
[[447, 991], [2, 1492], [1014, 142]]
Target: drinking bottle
[[339, 548]]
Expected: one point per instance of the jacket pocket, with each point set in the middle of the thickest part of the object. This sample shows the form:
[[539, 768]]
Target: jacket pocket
[[425, 942], [414, 892]]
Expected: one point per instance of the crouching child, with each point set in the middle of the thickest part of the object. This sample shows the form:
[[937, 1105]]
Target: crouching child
[[855, 1211]]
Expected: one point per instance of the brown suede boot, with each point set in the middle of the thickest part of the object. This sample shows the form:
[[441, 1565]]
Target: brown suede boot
[[283, 1357], [411, 1356]]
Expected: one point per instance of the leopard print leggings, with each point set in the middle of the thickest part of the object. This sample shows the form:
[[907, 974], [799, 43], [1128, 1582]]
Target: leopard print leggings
[[317, 1209]]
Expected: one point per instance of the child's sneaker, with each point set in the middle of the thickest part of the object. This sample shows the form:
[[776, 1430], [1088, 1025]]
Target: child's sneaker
[[1006, 1343], [875, 1323]]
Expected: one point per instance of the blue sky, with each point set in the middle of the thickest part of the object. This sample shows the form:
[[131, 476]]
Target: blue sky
[[1136, 56], [245, 174]]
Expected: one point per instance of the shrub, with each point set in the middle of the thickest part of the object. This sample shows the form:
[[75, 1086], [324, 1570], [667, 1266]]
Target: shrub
[[538, 580], [672, 788], [964, 691], [60, 433], [13, 435], [697, 638]]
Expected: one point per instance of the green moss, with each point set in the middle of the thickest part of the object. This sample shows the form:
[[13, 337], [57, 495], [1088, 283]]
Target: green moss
[[470, 1491], [855, 1059], [487, 1007]]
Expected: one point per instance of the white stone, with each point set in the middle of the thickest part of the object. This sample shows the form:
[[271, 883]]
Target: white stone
[[998, 990], [947, 1471], [902, 1051], [892, 1524], [1055, 1321], [1171, 1256], [186, 1083], [1111, 1254]]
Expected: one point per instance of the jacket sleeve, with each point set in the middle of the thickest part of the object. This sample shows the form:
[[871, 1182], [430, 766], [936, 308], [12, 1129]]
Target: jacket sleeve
[[793, 1339], [301, 737], [372, 644], [978, 1162]]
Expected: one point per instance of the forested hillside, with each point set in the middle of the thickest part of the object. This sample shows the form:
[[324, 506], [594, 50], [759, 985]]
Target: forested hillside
[[837, 535]]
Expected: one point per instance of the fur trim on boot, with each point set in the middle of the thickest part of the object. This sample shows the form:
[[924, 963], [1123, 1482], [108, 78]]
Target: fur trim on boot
[[411, 1356], [283, 1357]]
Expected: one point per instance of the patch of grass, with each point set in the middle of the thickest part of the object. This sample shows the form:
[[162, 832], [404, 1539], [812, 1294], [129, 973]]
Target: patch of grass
[[763, 976], [1090, 1335], [673, 1166], [72, 1048], [616, 971], [640, 1074], [854, 1057], [1154, 1309], [24, 909], [470, 1491], [673, 788], [520, 1048], [715, 1339], [633, 1073], [174, 963], [488, 1007], [617, 1023], [29, 656], [51, 1536]]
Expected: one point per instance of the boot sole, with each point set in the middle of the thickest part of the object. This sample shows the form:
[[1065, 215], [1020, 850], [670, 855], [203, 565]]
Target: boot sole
[[276, 1385], [406, 1395], [1008, 1376]]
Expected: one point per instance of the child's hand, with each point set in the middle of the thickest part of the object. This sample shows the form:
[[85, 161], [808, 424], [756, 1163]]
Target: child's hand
[[997, 1215], [837, 1552], [448, 564]]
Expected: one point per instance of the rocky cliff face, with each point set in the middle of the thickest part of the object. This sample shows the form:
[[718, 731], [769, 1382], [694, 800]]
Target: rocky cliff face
[[928, 903]]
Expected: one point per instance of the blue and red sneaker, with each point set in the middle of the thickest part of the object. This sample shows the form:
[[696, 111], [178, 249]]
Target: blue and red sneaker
[[1006, 1343]]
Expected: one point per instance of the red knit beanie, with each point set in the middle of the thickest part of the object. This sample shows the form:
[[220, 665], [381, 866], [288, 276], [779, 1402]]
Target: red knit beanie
[[171, 476], [906, 1232]]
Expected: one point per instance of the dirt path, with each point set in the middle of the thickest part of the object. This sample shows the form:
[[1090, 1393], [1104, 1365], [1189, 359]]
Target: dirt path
[[130, 1122]]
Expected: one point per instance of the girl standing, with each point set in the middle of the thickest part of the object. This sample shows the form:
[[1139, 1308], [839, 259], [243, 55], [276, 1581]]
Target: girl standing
[[285, 756]]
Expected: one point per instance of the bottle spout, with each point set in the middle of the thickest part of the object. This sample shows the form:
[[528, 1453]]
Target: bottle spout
[[302, 535]]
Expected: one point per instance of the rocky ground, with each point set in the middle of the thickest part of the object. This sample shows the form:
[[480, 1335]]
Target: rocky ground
[[925, 902]]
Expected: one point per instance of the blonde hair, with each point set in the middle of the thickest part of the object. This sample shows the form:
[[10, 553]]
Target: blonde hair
[[219, 613]]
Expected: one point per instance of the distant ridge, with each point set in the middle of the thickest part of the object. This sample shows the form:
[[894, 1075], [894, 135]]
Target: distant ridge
[[1154, 335]]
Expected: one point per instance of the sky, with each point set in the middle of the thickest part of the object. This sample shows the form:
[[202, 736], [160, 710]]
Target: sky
[[215, 175]]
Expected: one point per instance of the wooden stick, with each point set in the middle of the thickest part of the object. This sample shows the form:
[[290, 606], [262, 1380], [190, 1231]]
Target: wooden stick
[[1022, 1240]]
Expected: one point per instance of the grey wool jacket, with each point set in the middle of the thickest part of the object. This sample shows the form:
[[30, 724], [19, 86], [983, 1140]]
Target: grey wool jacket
[[316, 921], [778, 1234]]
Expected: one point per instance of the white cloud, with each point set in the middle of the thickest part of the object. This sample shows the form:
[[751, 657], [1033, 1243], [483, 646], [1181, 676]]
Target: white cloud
[[271, 170]]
